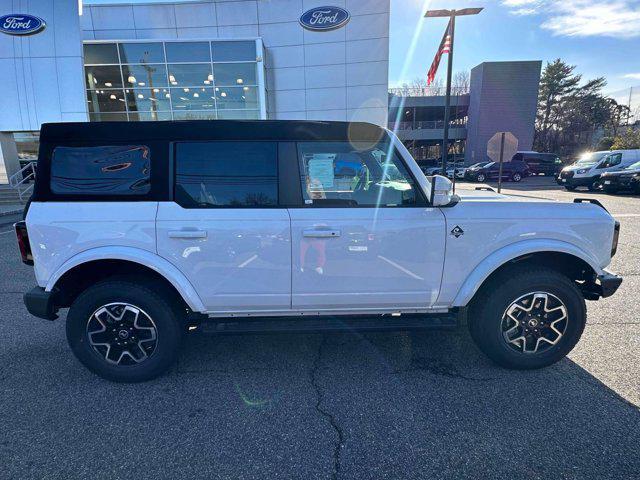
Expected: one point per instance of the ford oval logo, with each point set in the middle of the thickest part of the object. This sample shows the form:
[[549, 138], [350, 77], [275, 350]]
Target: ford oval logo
[[324, 18], [21, 24]]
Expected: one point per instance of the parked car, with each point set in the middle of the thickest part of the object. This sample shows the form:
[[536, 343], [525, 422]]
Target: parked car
[[586, 172], [515, 170], [626, 179], [148, 230], [540, 163]]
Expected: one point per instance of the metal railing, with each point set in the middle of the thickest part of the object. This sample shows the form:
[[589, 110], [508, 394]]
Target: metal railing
[[427, 125], [24, 180], [427, 91]]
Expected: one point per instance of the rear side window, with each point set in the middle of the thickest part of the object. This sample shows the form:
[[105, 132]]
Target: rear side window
[[226, 174], [105, 170]]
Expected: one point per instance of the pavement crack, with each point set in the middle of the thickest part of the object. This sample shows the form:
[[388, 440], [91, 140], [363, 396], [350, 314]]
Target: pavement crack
[[313, 374], [437, 367]]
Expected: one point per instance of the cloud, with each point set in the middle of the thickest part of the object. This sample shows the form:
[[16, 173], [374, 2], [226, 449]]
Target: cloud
[[583, 18], [634, 76]]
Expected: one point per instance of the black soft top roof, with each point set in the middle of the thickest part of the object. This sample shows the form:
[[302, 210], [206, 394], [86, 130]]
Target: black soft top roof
[[283, 130]]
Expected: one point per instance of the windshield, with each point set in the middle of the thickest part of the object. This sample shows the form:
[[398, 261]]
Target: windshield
[[590, 158]]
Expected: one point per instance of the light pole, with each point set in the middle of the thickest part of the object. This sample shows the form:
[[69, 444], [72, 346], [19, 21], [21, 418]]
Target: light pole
[[452, 14]]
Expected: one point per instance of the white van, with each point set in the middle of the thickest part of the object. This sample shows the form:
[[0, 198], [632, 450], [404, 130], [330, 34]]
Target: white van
[[587, 170]]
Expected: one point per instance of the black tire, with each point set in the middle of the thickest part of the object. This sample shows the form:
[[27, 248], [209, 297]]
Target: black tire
[[516, 177], [481, 177], [569, 188], [486, 324], [163, 315], [594, 185]]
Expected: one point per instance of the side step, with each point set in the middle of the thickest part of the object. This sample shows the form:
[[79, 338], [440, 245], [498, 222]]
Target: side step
[[377, 323]]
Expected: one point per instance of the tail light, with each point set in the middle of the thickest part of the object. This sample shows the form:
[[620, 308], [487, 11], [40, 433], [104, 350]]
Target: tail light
[[616, 235], [23, 242]]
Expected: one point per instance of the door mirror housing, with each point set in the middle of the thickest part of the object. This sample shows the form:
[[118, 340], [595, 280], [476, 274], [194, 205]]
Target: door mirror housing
[[442, 192]]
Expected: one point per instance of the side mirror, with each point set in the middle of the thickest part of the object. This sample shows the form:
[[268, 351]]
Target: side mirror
[[442, 192]]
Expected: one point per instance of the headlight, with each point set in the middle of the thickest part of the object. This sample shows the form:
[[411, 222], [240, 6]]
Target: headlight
[[581, 171]]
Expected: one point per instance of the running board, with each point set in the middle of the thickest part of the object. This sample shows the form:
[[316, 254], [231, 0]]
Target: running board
[[377, 323]]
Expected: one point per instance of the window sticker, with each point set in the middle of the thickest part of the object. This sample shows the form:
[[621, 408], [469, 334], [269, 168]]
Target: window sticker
[[320, 170]]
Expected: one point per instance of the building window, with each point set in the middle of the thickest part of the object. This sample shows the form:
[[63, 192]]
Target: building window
[[173, 80]]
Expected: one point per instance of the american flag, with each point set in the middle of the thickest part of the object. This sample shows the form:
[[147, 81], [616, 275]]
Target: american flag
[[445, 47]]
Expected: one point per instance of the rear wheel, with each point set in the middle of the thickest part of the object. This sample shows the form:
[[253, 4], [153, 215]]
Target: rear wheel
[[528, 318], [123, 331], [516, 177], [481, 177], [569, 188]]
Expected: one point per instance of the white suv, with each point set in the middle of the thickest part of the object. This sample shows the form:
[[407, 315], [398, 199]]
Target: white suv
[[147, 230]]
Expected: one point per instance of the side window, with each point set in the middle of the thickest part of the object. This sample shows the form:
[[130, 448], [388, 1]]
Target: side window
[[226, 174], [353, 174], [611, 160], [106, 170]]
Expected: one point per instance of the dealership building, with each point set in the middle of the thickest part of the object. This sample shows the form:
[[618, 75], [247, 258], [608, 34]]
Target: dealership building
[[224, 59], [220, 59]]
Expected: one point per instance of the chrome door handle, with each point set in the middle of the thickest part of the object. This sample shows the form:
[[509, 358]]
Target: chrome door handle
[[321, 233], [187, 234]]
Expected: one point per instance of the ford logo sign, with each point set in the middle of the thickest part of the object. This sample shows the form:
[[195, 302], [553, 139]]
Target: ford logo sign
[[21, 24], [324, 18]]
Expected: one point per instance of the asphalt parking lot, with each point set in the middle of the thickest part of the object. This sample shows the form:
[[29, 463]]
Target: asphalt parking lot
[[350, 406]]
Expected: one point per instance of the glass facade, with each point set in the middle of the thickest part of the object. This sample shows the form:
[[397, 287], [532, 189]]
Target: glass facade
[[178, 80]]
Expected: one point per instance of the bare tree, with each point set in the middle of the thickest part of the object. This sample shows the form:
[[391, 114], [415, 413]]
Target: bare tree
[[461, 81]]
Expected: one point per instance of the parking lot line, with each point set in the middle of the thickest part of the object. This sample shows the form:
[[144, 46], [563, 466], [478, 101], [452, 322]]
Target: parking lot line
[[8, 231]]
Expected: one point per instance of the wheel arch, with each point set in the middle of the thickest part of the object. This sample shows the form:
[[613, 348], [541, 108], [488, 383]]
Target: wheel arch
[[557, 255], [90, 266]]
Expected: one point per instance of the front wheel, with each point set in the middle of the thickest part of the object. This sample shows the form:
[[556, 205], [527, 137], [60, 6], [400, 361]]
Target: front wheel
[[528, 318], [516, 177], [481, 177], [595, 185], [123, 331]]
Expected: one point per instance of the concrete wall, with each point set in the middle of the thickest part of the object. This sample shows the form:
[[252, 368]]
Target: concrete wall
[[41, 74], [336, 75], [504, 96]]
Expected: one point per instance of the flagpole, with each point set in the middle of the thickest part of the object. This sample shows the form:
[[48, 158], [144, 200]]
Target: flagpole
[[447, 102], [452, 14]]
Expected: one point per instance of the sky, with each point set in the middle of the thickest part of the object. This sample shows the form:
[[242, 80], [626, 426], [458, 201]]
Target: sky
[[599, 37]]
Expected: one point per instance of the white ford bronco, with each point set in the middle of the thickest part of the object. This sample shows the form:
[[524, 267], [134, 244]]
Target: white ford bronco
[[147, 230]]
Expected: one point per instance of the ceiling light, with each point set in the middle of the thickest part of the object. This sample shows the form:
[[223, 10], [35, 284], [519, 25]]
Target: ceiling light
[[131, 79], [108, 84], [156, 90], [172, 78], [112, 96], [210, 78], [246, 89], [185, 89], [167, 95], [142, 84], [174, 83], [239, 81], [140, 95], [223, 94], [207, 82]]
